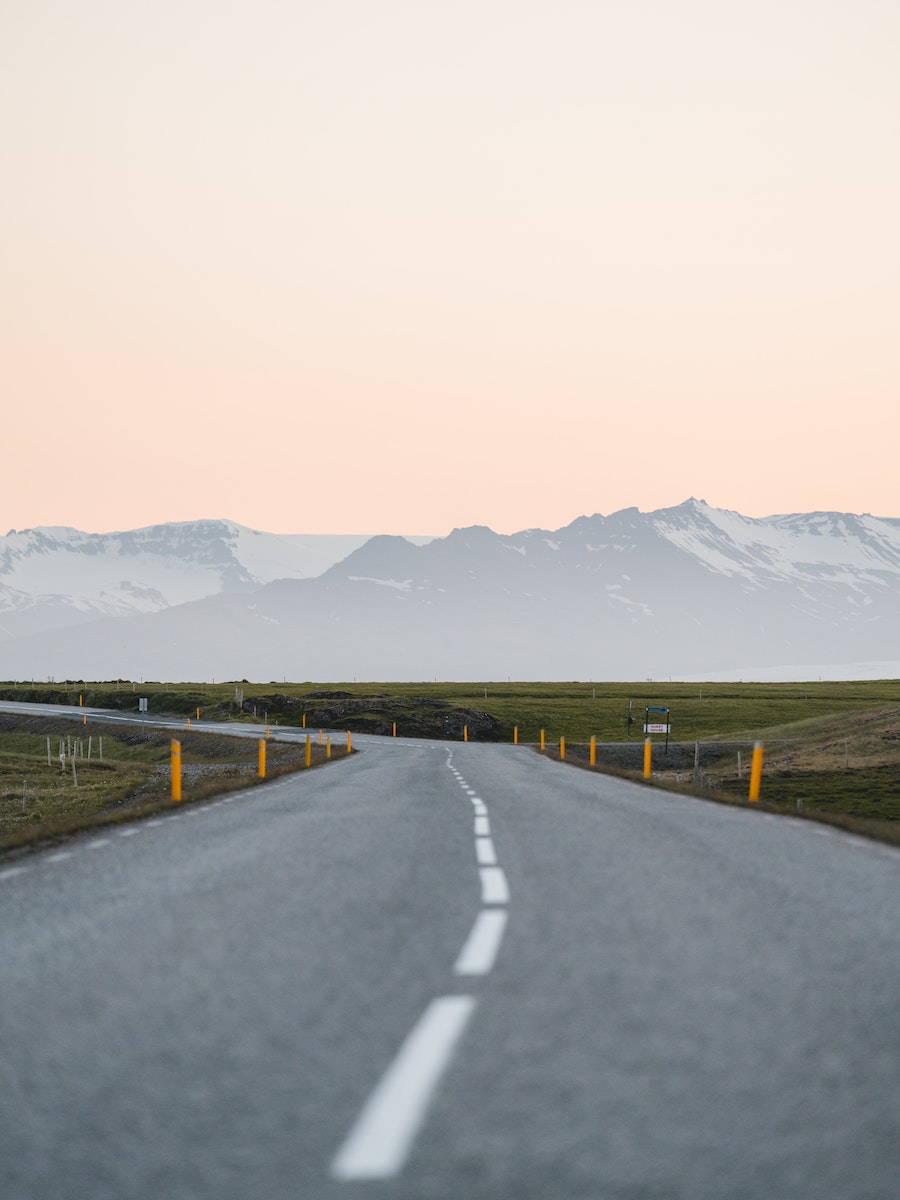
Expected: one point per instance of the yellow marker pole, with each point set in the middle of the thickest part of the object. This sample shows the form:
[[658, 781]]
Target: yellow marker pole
[[648, 756], [328, 746], [562, 748], [321, 738], [198, 714], [262, 759], [348, 742], [81, 701], [303, 722], [189, 722], [84, 722], [515, 735], [307, 758], [465, 733], [756, 771], [593, 752], [394, 731], [175, 748], [542, 739]]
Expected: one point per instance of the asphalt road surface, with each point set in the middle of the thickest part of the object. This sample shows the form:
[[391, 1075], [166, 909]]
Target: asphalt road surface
[[443, 971]]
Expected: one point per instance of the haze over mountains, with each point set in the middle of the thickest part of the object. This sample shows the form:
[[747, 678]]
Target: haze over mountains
[[690, 591]]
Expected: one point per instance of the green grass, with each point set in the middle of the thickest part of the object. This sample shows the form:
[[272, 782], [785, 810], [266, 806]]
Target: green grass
[[41, 801], [576, 710], [831, 748]]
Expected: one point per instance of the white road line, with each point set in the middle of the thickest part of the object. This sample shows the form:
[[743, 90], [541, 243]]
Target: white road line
[[10, 871], [97, 843], [127, 832], [494, 888], [55, 858], [485, 852], [379, 1143], [482, 826], [478, 955]]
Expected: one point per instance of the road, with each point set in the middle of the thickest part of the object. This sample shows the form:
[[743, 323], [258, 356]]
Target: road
[[439, 970]]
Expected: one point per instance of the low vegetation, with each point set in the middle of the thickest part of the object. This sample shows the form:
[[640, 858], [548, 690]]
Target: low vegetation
[[59, 776], [832, 749]]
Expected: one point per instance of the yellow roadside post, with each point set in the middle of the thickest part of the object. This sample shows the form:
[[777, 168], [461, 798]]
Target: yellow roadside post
[[321, 738], [175, 748], [515, 735], [189, 722], [465, 733], [198, 714], [593, 752], [394, 730], [81, 701], [328, 746], [562, 748], [303, 722], [262, 758], [756, 771], [84, 722], [542, 739], [648, 758], [307, 758], [348, 742]]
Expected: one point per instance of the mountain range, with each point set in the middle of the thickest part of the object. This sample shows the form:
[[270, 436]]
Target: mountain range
[[685, 592]]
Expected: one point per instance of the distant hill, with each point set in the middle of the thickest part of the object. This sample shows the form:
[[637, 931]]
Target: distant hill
[[684, 591], [57, 577]]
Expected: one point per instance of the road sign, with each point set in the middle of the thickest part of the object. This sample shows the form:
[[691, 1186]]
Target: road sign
[[656, 729]]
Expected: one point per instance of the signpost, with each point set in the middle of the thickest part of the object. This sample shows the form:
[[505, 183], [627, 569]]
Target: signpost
[[657, 726]]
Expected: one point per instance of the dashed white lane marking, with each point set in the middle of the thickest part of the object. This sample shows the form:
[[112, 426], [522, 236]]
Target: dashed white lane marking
[[97, 843], [485, 852], [55, 858], [494, 888], [8, 872], [378, 1144], [482, 826], [128, 832], [480, 951]]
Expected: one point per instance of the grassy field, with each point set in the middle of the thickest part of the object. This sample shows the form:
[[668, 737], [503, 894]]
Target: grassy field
[[114, 774], [832, 749], [577, 710]]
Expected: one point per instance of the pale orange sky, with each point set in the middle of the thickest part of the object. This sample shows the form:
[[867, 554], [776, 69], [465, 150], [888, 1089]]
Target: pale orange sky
[[395, 266]]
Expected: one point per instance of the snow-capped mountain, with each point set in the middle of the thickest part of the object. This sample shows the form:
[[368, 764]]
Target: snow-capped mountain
[[689, 590], [54, 577]]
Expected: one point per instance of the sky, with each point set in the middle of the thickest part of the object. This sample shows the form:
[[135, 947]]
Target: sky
[[395, 266]]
